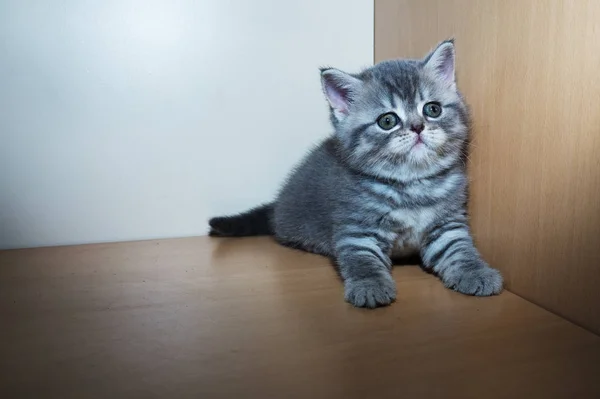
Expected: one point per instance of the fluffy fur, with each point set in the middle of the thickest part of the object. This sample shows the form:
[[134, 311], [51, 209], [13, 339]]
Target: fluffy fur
[[367, 194]]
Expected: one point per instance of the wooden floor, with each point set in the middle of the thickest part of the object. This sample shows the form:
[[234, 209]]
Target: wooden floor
[[203, 318]]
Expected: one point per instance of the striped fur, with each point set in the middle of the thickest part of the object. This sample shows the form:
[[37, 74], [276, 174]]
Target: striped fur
[[367, 194]]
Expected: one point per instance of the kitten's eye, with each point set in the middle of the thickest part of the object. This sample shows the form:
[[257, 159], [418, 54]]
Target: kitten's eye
[[388, 121], [432, 109]]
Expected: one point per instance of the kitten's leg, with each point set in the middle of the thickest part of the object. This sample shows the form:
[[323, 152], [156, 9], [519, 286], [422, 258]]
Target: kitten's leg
[[449, 251], [365, 266], [319, 249]]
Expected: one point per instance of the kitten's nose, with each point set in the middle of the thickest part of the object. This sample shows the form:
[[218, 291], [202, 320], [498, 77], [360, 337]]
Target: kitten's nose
[[417, 128]]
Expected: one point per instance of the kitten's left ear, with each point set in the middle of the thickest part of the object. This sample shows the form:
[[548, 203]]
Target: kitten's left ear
[[440, 63], [339, 88]]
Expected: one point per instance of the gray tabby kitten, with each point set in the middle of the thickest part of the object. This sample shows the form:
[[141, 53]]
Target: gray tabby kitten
[[390, 182]]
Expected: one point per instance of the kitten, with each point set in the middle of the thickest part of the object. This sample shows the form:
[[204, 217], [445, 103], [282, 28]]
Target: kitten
[[390, 181]]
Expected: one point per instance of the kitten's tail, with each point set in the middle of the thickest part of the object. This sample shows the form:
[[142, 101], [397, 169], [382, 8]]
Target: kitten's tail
[[255, 222]]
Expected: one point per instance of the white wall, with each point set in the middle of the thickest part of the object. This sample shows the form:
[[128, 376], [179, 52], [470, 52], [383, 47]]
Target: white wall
[[125, 119]]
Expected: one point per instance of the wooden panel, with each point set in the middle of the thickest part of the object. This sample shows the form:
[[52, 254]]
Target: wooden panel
[[530, 70], [202, 318]]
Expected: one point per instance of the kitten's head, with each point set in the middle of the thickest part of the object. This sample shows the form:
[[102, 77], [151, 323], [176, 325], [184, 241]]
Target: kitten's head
[[400, 119]]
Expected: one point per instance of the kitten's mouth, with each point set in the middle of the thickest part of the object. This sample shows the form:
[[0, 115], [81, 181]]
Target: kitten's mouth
[[419, 143]]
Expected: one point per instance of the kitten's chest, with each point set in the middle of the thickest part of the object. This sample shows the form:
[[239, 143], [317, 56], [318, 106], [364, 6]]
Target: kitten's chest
[[410, 225]]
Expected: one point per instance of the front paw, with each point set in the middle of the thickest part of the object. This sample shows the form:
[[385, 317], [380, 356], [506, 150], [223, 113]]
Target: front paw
[[483, 281], [371, 292]]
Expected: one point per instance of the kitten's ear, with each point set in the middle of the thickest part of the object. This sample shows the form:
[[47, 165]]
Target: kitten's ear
[[440, 63], [339, 88]]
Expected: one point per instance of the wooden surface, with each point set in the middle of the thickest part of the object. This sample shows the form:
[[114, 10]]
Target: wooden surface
[[530, 71], [202, 318]]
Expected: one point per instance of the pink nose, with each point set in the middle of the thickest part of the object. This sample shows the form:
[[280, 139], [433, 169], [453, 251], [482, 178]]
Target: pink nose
[[418, 128]]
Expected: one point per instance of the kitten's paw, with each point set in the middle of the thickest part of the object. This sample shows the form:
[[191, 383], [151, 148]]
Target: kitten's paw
[[484, 281], [370, 292]]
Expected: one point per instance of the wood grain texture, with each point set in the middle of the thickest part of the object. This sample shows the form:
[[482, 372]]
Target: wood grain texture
[[530, 71], [202, 318]]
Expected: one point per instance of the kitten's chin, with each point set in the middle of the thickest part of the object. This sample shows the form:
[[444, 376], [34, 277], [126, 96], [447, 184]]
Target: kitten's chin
[[420, 153]]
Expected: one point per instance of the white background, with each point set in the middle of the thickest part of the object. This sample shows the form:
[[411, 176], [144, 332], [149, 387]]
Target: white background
[[125, 120]]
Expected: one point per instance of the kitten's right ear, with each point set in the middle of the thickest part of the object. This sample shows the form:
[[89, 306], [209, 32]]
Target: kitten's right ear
[[339, 88], [440, 63]]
